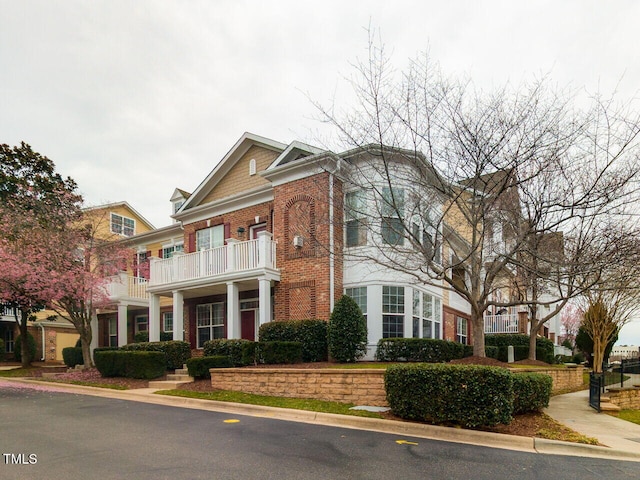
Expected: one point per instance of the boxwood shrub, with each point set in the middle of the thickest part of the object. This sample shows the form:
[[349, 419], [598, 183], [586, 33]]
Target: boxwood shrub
[[489, 351], [531, 392], [467, 395], [272, 353], [239, 352], [131, 364], [418, 350], [72, 356], [177, 353], [199, 366], [312, 334], [31, 345], [520, 342]]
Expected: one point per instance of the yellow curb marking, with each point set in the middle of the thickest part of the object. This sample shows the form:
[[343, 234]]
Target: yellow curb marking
[[405, 442], [232, 420]]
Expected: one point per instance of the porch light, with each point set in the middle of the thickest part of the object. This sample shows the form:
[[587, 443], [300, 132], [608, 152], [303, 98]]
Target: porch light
[[240, 232]]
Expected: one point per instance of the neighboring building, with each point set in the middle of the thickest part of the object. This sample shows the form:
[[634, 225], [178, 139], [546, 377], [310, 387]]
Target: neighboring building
[[110, 222], [624, 352]]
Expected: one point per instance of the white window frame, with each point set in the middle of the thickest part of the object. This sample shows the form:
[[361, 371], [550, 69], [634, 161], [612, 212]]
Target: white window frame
[[138, 323], [355, 204], [112, 328], [209, 318], [427, 315], [393, 310], [359, 295], [210, 237], [118, 225], [392, 212], [462, 330], [171, 249], [166, 318]]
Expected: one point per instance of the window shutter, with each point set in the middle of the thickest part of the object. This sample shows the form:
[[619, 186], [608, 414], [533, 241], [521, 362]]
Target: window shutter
[[192, 242], [227, 232], [160, 253]]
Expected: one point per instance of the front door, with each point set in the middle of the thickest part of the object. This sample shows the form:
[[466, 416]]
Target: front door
[[248, 324]]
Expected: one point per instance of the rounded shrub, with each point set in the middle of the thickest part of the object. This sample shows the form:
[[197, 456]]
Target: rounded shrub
[[177, 353], [234, 349], [273, 353], [427, 350], [130, 364], [72, 356], [347, 331], [31, 344]]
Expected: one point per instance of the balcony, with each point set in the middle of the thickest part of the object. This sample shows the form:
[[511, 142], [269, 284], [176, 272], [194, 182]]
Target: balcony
[[235, 260], [8, 313], [127, 288], [504, 323]]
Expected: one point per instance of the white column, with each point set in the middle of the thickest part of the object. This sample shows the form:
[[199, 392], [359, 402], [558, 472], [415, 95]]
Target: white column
[[154, 317], [178, 315], [231, 255], [94, 332], [264, 249], [264, 298], [233, 311], [122, 324]]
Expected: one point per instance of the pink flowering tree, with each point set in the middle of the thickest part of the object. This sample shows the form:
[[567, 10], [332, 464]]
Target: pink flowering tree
[[36, 207]]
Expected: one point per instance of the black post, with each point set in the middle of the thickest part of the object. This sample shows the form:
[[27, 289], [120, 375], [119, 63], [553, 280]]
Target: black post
[[621, 372]]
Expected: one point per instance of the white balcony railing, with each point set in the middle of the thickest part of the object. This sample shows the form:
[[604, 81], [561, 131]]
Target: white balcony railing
[[233, 257], [505, 323], [123, 285]]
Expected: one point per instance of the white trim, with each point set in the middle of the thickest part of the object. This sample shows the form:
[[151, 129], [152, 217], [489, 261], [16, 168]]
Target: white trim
[[109, 206]]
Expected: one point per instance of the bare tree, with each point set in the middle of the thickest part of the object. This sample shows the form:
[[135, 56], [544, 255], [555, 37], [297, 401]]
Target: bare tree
[[459, 188]]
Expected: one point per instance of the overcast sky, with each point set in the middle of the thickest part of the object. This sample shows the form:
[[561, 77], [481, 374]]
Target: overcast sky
[[134, 98]]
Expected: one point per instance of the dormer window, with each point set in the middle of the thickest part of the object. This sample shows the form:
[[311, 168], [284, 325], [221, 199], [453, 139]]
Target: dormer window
[[177, 206]]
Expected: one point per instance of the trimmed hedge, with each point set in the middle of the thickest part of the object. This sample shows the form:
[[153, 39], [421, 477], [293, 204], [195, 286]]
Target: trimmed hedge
[[130, 364], [531, 392], [239, 352], [520, 342], [272, 353], [143, 337], [2, 350], [347, 331], [468, 395], [312, 334], [199, 367], [72, 356], [418, 350], [177, 353]]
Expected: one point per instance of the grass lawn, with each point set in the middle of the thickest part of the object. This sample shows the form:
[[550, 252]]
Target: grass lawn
[[19, 372], [629, 415], [282, 402]]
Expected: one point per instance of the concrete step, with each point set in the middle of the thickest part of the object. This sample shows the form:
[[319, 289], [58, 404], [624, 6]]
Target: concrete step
[[605, 399], [179, 377], [182, 371], [609, 407], [167, 384]]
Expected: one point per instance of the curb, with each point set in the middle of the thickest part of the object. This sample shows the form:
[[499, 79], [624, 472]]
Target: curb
[[394, 427]]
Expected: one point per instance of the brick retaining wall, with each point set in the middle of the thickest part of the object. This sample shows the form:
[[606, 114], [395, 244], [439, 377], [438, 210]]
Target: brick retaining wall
[[358, 386]]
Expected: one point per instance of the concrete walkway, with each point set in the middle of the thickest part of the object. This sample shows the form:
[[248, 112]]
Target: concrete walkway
[[573, 410]]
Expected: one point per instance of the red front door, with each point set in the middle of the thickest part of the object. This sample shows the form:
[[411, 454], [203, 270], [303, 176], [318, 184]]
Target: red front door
[[248, 324]]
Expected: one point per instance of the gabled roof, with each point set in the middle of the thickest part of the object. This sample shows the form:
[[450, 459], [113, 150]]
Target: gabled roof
[[295, 151], [178, 194], [126, 205], [246, 141]]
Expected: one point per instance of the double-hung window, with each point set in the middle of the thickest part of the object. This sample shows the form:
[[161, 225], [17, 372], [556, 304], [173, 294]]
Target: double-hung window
[[210, 238], [462, 332], [359, 295], [167, 322], [392, 312], [142, 323], [392, 212], [210, 322], [122, 225], [113, 332], [170, 250], [427, 315], [355, 222]]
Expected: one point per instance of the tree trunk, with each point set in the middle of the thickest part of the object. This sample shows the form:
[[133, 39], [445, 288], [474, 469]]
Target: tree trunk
[[598, 354], [25, 359], [85, 343], [533, 335], [477, 323]]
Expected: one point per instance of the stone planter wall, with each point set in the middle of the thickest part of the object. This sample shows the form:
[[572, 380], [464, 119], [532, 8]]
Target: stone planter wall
[[360, 387], [625, 397]]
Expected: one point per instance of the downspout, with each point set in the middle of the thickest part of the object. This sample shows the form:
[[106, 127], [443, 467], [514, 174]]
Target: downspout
[[331, 247]]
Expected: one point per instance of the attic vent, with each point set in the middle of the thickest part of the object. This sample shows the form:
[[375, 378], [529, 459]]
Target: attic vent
[[252, 166]]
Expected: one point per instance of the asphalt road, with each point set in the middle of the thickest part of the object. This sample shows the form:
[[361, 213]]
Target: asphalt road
[[50, 435]]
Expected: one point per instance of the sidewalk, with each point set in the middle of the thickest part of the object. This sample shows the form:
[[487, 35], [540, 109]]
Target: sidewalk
[[573, 410], [570, 409]]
